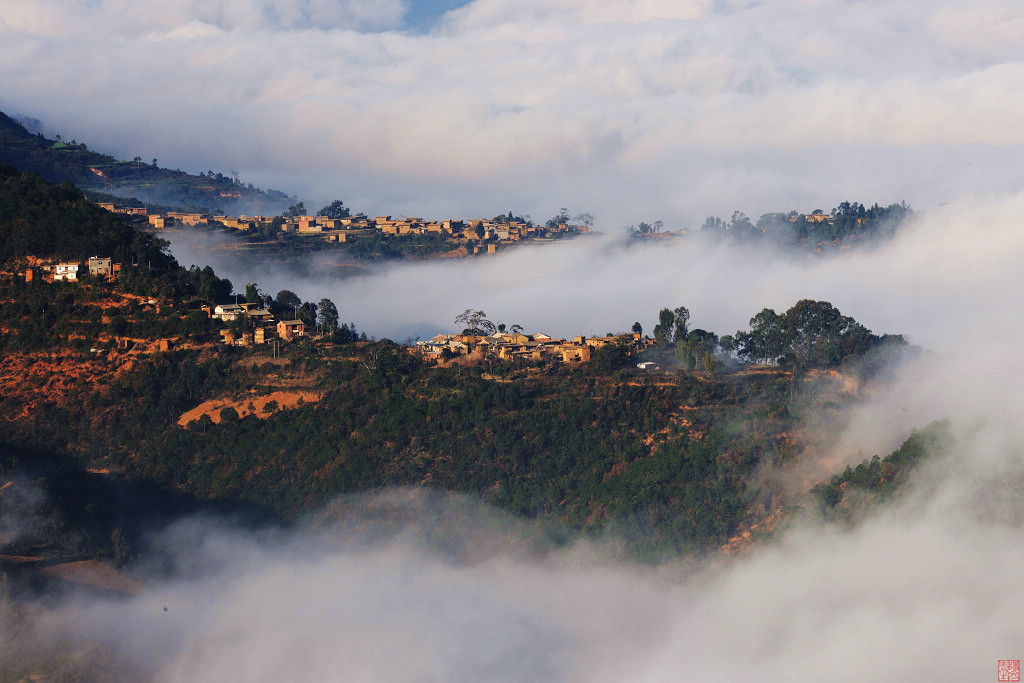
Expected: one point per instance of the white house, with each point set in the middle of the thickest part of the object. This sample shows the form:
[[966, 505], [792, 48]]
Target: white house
[[227, 311], [65, 271]]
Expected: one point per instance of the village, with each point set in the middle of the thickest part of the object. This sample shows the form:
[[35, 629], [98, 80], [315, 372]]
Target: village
[[262, 326], [249, 323], [484, 234], [537, 348]]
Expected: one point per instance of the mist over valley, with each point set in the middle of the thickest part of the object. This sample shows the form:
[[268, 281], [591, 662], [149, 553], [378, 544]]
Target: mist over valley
[[403, 440]]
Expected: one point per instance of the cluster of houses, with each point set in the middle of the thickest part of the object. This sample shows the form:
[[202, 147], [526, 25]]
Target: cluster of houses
[[98, 266], [469, 230], [345, 229], [265, 327], [530, 347], [123, 210]]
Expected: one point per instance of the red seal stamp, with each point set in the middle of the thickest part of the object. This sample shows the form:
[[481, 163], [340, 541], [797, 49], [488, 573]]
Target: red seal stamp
[[1009, 670]]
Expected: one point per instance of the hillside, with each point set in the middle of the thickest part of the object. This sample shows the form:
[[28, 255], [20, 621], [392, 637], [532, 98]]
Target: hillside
[[119, 395], [61, 160]]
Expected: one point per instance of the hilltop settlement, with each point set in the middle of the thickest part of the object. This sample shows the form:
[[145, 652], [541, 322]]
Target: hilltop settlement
[[248, 323], [485, 234]]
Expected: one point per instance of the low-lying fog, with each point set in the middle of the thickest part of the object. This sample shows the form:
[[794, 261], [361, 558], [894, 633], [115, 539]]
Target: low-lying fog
[[927, 590], [944, 265]]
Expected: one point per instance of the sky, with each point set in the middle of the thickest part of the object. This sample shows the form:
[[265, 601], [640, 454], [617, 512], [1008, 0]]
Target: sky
[[639, 110]]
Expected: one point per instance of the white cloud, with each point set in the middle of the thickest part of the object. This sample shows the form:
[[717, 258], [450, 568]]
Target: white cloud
[[539, 104], [929, 283]]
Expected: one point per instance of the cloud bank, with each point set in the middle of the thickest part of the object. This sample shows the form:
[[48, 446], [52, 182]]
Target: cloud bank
[[671, 110], [946, 281]]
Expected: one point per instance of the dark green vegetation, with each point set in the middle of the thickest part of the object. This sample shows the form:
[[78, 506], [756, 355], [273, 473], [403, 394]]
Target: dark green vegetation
[[153, 297], [811, 334], [849, 223], [664, 462], [60, 160], [667, 461], [40, 219], [846, 495]]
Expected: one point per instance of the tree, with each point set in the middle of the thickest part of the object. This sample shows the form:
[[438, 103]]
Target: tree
[[307, 313], [685, 355], [298, 209], [475, 322], [327, 314], [682, 318], [272, 229], [638, 328], [253, 294], [814, 326], [645, 228], [665, 328], [609, 358], [767, 339], [710, 362], [585, 219], [335, 210], [563, 218], [287, 302], [740, 227], [713, 225]]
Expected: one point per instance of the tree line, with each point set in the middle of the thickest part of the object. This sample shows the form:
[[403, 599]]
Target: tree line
[[810, 334]]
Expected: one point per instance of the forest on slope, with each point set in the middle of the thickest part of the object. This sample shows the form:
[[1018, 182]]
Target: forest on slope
[[63, 160], [668, 462]]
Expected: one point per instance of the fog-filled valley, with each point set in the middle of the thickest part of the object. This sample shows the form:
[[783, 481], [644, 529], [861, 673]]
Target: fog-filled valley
[[357, 446], [406, 584]]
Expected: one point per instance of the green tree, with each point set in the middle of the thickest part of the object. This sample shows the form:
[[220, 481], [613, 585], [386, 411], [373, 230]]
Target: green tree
[[286, 303], [768, 338], [684, 352], [253, 294], [327, 314], [563, 218], [298, 209], [713, 225], [335, 210], [665, 329], [710, 362], [682, 319], [307, 313], [813, 327], [609, 358]]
